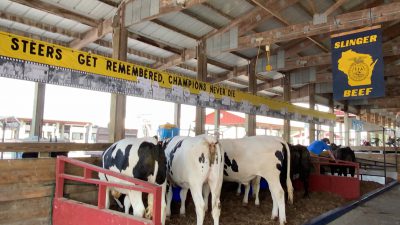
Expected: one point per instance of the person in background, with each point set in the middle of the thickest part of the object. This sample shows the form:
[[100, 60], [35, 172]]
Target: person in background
[[318, 146]]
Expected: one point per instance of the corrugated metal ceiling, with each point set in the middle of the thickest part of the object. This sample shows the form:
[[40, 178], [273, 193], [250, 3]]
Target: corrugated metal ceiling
[[210, 68], [179, 70], [162, 34], [234, 8], [89, 8], [210, 14], [230, 59], [296, 14], [186, 23], [232, 84]]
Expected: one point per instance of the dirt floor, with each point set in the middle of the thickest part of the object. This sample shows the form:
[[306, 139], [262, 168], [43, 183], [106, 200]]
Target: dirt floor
[[233, 212]]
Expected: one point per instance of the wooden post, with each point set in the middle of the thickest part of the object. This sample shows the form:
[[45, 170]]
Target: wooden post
[[331, 127], [38, 111], [118, 101], [311, 94], [201, 75], [368, 114], [346, 129], [177, 115], [217, 117], [251, 119], [286, 98], [358, 135]]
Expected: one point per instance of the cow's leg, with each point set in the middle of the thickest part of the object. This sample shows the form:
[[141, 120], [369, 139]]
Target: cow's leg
[[107, 203], [137, 204], [278, 197], [127, 204], [256, 189], [149, 210], [246, 193], [183, 195], [215, 184], [274, 213], [169, 199], [239, 189], [206, 193], [163, 203], [197, 196]]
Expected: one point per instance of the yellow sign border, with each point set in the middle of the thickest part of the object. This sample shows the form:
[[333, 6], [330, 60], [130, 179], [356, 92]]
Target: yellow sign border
[[23, 48]]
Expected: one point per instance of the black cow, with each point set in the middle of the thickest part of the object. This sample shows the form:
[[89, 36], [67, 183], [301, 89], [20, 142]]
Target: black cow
[[301, 165], [345, 154], [26, 155]]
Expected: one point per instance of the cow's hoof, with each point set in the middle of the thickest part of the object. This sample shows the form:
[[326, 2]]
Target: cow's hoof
[[237, 193], [274, 218], [244, 204], [183, 215], [148, 214]]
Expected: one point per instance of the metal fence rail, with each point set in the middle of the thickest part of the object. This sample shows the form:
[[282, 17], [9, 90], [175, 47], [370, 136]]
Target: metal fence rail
[[66, 211]]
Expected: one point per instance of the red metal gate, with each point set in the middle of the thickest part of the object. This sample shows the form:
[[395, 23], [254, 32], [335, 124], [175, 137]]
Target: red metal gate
[[347, 187], [70, 212]]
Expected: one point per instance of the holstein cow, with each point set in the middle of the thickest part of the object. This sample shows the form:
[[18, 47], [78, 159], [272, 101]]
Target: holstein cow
[[264, 156], [195, 163], [300, 162], [141, 158]]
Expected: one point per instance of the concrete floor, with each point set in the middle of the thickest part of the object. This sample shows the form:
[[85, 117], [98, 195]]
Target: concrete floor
[[381, 210]]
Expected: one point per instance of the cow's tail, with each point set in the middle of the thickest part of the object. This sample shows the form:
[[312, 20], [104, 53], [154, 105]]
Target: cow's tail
[[289, 185], [215, 151]]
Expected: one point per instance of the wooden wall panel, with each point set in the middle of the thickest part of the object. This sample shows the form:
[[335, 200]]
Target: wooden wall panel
[[27, 188]]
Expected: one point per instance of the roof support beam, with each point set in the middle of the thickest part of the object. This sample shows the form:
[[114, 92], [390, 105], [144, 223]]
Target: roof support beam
[[331, 9], [92, 35], [109, 2], [284, 21], [374, 15]]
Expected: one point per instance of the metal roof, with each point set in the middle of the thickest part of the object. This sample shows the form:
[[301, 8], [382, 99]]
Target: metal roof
[[211, 15], [89, 8], [186, 23], [162, 34], [234, 8]]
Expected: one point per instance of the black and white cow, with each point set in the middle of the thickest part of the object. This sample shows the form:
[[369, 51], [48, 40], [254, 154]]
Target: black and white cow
[[300, 161], [196, 163], [263, 156], [141, 158]]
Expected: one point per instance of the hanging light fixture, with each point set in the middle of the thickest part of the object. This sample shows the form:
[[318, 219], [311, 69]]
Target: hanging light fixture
[[268, 67]]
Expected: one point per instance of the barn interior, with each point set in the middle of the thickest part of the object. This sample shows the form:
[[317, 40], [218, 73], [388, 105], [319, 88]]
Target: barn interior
[[279, 50]]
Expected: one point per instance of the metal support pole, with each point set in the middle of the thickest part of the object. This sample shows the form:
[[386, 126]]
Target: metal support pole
[[395, 147], [384, 152]]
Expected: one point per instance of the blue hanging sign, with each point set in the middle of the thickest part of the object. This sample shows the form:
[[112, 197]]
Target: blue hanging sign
[[357, 64]]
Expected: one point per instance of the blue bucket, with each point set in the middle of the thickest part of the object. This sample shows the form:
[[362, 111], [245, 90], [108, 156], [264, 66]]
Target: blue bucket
[[165, 133], [263, 186], [176, 194]]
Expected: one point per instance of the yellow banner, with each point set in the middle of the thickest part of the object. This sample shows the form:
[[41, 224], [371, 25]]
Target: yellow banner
[[22, 48]]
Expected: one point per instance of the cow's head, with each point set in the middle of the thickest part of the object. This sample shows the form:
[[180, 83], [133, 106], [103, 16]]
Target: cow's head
[[162, 163], [335, 147]]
